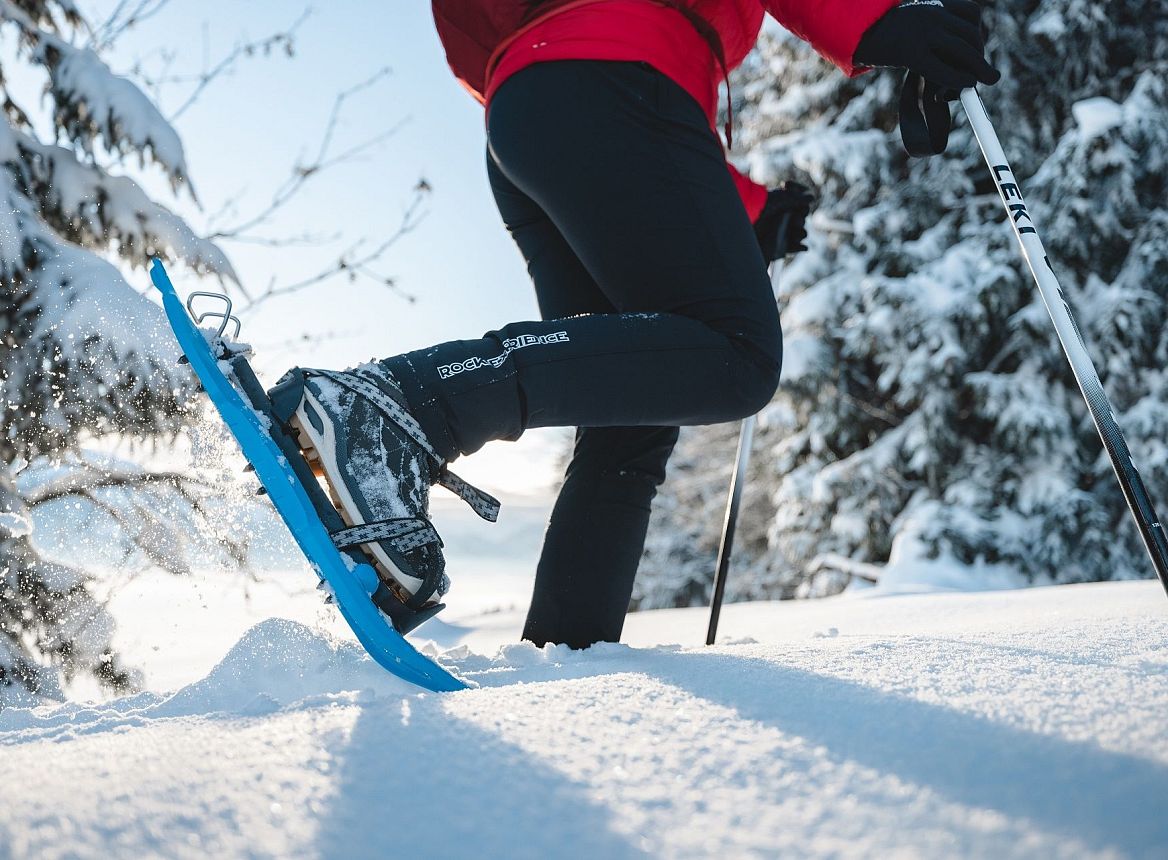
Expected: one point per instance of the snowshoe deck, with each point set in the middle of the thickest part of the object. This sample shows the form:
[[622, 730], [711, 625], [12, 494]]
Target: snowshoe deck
[[376, 616]]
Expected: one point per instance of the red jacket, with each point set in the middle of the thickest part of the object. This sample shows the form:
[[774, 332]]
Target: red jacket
[[478, 33]]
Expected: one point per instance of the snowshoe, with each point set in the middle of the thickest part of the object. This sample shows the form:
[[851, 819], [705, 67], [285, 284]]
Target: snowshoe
[[380, 561]]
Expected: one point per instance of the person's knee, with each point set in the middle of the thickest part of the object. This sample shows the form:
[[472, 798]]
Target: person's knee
[[757, 392], [757, 379]]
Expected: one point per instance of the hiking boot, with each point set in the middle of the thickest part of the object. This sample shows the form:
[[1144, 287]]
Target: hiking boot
[[355, 430]]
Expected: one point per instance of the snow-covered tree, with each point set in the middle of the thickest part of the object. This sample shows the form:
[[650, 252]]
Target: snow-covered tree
[[928, 421], [82, 353]]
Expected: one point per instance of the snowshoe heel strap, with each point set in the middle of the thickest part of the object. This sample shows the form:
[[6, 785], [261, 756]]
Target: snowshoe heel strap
[[403, 618], [286, 394]]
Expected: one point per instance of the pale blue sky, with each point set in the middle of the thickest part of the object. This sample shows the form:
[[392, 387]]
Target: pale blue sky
[[248, 129]]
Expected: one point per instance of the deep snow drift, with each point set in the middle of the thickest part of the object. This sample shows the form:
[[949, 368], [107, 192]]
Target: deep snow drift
[[1006, 724]]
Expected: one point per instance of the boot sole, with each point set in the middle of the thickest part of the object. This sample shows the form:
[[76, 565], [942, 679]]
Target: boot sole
[[319, 451]]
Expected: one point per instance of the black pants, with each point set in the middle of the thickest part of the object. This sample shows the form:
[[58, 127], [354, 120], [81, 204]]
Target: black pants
[[657, 313]]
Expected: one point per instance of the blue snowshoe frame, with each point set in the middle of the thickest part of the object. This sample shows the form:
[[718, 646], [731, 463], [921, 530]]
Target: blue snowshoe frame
[[277, 462]]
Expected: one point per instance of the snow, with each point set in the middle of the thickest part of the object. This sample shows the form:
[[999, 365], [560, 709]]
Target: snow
[[1019, 723], [802, 354], [14, 525], [117, 206], [1014, 724], [1049, 24], [1097, 116], [114, 102]]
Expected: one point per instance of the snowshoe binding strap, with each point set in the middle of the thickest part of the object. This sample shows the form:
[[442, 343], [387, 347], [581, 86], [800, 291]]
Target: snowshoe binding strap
[[403, 534], [925, 120], [483, 504]]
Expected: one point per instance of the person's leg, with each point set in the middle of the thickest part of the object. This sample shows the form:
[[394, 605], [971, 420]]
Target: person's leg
[[596, 534], [624, 164], [626, 167]]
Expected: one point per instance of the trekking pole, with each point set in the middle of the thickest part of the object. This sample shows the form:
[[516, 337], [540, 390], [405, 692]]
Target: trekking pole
[[745, 438], [737, 482], [1069, 336]]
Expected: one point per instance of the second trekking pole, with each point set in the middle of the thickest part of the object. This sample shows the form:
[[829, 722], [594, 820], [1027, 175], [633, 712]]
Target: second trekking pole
[[737, 482]]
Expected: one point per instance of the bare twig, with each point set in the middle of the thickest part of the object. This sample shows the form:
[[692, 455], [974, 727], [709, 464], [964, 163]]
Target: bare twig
[[141, 527], [263, 46], [303, 240], [314, 338], [360, 259], [88, 480], [864, 406], [322, 161], [139, 524], [856, 569], [236, 547], [355, 262], [126, 15]]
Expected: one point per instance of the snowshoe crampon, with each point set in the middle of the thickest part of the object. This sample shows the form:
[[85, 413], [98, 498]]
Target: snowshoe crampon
[[377, 615]]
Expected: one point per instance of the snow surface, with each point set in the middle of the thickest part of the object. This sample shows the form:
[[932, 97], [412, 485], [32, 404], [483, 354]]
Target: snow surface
[[1010, 724]]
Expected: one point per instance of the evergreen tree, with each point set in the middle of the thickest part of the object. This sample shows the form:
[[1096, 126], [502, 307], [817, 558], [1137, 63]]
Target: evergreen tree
[[927, 417], [82, 354]]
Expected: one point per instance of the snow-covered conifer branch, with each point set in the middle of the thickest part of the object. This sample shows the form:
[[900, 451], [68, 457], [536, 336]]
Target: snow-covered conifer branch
[[91, 104]]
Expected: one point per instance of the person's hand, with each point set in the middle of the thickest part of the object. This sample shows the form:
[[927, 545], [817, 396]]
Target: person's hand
[[941, 41], [780, 228]]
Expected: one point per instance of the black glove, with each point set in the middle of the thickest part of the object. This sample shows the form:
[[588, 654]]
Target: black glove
[[780, 228], [942, 41]]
